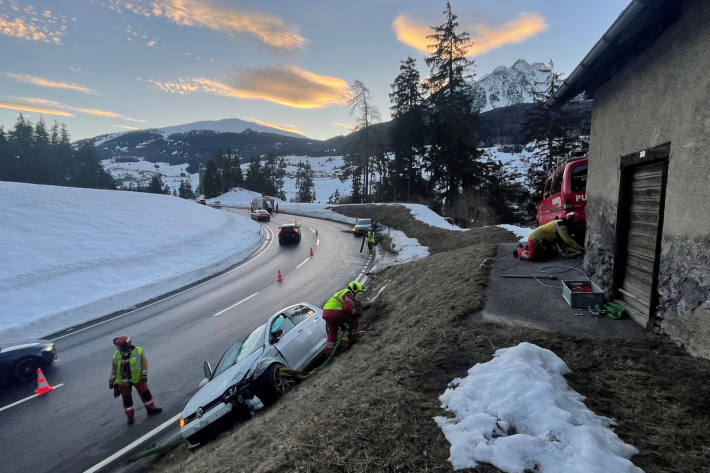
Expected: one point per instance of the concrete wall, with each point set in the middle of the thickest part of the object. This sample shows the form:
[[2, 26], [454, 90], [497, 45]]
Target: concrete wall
[[662, 95]]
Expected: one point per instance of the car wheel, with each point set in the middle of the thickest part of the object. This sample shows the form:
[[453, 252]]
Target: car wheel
[[26, 368], [273, 385]]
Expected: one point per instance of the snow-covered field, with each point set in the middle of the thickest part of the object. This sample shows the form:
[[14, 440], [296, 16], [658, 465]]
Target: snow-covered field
[[70, 255], [517, 413], [139, 173], [325, 183]]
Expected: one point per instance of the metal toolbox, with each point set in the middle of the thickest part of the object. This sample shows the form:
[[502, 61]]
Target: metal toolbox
[[582, 299]]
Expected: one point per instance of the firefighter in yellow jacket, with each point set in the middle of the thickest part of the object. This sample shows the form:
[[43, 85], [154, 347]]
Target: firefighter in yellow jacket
[[543, 238], [129, 368]]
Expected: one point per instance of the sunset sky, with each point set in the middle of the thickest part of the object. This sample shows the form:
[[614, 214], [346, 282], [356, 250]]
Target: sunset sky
[[102, 66]]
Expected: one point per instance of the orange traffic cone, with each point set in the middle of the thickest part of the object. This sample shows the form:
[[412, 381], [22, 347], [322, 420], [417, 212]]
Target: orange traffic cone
[[316, 232], [42, 384], [279, 277], [311, 251]]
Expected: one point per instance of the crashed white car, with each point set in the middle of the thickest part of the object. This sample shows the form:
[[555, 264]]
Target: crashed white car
[[292, 338]]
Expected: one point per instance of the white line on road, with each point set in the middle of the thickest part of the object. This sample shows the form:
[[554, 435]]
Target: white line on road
[[133, 444], [270, 240], [234, 305], [317, 241], [27, 398], [303, 262], [313, 230]]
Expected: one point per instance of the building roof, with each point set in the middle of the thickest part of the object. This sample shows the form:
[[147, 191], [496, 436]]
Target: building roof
[[641, 22]]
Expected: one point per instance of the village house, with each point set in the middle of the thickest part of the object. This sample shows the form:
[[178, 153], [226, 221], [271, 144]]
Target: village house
[[648, 189]]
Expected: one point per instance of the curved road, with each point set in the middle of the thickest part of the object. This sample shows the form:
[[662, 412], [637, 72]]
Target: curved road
[[80, 424]]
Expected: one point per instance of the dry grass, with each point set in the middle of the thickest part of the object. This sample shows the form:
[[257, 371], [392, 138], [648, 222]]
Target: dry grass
[[371, 410]]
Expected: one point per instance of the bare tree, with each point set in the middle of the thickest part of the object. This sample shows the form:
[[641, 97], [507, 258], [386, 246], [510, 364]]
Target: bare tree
[[365, 113]]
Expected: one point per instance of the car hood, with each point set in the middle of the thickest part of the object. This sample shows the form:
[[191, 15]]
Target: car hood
[[217, 386]]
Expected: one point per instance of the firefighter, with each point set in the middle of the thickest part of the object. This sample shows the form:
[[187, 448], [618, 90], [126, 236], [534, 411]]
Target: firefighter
[[371, 239], [546, 237], [339, 311], [129, 368]]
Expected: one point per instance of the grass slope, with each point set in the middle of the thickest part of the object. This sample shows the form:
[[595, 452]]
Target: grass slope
[[371, 410]]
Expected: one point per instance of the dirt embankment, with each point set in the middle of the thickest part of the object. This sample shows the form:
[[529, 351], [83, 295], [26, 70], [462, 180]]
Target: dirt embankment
[[371, 410]]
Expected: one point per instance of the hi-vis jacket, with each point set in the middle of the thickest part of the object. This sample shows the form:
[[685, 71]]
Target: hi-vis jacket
[[551, 231], [370, 236], [341, 300], [138, 364]]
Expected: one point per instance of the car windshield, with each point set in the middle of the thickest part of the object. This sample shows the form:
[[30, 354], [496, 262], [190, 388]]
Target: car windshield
[[364, 221], [240, 350]]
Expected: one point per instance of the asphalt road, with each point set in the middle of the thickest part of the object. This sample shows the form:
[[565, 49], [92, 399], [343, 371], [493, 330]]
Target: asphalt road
[[80, 424]]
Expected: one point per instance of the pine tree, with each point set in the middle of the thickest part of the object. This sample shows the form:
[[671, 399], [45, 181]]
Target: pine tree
[[365, 113], [211, 183], [546, 132], [305, 188], [185, 189], [453, 155], [407, 130], [254, 180]]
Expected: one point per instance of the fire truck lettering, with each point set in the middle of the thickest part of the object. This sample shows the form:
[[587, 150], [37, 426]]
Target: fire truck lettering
[[581, 197]]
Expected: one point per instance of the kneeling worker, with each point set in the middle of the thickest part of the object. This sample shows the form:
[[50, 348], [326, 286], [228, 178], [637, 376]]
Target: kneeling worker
[[339, 311], [129, 368], [544, 237]]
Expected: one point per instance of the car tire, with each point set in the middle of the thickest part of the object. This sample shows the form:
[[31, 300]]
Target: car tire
[[26, 368], [272, 386]]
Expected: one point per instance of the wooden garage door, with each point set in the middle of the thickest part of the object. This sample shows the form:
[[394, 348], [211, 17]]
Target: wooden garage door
[[644, 207]]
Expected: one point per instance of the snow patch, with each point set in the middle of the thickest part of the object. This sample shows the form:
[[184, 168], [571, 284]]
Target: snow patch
[[520, 232], [517, 413]]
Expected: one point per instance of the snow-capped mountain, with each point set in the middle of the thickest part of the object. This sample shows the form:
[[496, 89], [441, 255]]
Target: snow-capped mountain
[[228, 125], [510, 85]]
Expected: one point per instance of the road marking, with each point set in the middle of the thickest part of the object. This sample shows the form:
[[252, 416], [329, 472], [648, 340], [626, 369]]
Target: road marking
[[133, 444], [27, 398], [303, 262], [317, 241], [313, 230], [270, 242], [234, 305]]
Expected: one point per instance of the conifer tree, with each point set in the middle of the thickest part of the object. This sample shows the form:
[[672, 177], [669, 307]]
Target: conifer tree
[[453, 155], [365, 113], [211, 182], [304, 183]]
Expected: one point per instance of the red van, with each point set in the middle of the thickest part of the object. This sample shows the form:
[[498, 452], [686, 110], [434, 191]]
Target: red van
[[565, 191]]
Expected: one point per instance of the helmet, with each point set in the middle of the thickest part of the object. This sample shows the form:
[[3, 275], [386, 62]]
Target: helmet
[[122, 341], [355, 287]]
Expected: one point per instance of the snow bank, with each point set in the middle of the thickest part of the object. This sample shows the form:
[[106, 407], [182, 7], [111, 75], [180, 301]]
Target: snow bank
[[520, 232], [408, 249], [428, 216], [517, 413], [70, 255]]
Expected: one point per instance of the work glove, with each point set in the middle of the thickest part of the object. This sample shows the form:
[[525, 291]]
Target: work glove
[[110, 384], [116, 391]]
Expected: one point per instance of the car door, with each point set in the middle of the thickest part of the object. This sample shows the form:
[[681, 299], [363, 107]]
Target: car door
[[291, 343], [311, 329]]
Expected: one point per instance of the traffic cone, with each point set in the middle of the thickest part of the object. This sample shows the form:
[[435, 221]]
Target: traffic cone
[[311, 251], [279, 277], [42, 384], [316, 232]]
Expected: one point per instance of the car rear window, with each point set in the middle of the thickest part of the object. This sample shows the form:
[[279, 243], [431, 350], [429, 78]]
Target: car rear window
[[579, 178]]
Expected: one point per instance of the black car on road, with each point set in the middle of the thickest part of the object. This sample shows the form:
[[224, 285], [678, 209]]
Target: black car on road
[[289, 232], [261, 215], [19, 360]]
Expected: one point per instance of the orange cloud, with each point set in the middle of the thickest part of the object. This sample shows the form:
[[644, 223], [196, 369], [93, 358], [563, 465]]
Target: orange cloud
[[289, 128], [88, 111], [347, 126], [126, 127], [34, 80], [486, 38], [483, 37], [285, 85], [268, 29], [31, 24], [21, 107]]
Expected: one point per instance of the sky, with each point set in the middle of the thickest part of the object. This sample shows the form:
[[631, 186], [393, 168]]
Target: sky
[[106, 66]]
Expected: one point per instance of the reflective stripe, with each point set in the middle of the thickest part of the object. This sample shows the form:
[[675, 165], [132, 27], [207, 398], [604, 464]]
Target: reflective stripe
[[336, 301], [135, 362], [148, 402], [129, 409]]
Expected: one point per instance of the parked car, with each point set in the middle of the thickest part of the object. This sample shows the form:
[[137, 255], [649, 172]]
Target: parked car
[[565, 191], [201, 201], [292, 337], [216, 204], [261, 215], [361, 226], [19, 360], [289, 232]]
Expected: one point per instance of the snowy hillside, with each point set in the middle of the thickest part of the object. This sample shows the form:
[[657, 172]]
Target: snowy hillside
[[326, 182], [510, 85], [233, 125], [70, 255], [131, 175]]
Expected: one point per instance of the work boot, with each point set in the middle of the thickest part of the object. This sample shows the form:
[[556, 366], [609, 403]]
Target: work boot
[[130, 420], [154, 410]]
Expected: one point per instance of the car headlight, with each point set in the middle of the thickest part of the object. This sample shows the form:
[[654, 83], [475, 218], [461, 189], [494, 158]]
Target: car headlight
[[48, 348], [231, 391]]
